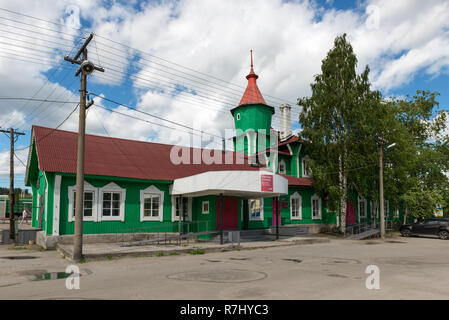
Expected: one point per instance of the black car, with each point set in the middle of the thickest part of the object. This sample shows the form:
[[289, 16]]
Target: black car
[[426, 227]]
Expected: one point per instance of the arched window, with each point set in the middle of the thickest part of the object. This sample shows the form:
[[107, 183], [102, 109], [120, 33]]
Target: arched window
[[296, 206], [362, 207], [282, 167], [316, 207], [306, 172]]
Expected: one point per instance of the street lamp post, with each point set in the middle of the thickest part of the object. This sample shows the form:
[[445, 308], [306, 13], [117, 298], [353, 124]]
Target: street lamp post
[[381, 187]]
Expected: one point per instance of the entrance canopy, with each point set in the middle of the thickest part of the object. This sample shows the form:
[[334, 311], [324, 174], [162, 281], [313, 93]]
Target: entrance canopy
[[248, 184]]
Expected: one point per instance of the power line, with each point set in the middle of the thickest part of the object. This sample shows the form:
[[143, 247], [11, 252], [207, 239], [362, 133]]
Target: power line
[[53, 130], [154, 116], [43, 100]]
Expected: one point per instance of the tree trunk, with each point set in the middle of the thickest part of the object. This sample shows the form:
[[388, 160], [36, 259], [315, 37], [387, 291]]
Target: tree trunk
[[343, 187], [405, 214]]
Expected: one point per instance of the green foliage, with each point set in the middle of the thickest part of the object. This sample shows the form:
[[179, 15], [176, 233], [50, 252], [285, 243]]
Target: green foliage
[[197, 251], [343, 122]]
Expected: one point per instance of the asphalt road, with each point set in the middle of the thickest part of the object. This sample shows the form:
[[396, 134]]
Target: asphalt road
[[410, 268]]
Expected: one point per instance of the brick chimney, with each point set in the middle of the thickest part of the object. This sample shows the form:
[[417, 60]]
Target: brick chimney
[[286, 121]]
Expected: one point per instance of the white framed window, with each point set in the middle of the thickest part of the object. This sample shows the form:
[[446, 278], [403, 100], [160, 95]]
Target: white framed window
[[306, 171], [296, 206], [282, 167], [90, 197], [362, 207], [177, 208], [316, 207], [151, 204], [255, 209], [112, 203], [205, 207], [238, 116], [396, 213]]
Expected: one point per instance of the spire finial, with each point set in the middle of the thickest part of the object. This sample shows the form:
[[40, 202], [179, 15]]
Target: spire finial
[[251, 58]]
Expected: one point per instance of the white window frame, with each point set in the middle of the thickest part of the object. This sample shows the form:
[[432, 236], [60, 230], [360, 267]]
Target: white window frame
[[282, 162], [173, 209], [150, 191], [112, 187], [238, 116], [315, 197], [396, 213], [296, 196], [363, 214], [87, 187], [202, 207], [261, 217], [304, 173]]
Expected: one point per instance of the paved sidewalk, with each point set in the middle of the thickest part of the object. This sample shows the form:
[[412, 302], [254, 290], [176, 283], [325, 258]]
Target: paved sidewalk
[[93, 251]]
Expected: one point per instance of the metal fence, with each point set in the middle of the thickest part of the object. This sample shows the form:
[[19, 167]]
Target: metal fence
[[186, 231]]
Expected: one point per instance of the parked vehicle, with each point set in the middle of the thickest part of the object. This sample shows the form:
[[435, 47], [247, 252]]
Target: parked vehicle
[[435, 226]]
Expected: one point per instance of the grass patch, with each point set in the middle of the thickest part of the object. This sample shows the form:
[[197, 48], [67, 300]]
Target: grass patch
[[173, 253], [197, 251], [18, 248], [160, 254], [109, 257]]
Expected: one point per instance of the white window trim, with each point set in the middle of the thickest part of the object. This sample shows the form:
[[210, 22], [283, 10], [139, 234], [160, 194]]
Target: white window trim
[[173, 209], [208, 207], [298, 172], [56, 202], [155, 191], [365, 213], [296, 195], [282, 162], [261, 217], [112, 187], [238, 116], [87, 187], [304, 174], [319, 206]]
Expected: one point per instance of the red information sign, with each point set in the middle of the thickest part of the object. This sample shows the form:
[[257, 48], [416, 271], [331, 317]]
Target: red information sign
[[266, 182]]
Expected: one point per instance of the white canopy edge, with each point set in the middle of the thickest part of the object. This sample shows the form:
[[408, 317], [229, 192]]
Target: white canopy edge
[[230, 183]]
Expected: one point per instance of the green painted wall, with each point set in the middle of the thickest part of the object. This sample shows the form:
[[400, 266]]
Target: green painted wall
[[253, 117]]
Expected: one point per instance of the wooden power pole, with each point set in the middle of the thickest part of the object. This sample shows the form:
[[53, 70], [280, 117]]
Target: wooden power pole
[[12, 134], [86, 68]]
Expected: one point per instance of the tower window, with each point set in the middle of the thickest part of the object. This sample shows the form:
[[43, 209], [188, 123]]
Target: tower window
[[238, 116]]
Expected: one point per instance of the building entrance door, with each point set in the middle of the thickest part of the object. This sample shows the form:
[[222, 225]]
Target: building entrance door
[[230, 213], [350, 213]]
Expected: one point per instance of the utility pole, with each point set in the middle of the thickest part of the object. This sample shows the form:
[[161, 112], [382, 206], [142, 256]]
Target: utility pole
[[86, 68], [12, 133], [381, 190]]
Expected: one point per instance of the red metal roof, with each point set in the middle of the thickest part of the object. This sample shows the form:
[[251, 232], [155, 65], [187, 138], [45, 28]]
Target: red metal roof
[[252, 94], [105, 156], [301, 182]]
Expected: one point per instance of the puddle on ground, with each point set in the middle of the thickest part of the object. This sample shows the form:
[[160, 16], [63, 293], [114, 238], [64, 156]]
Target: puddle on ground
[[53, 276], [239, 259], [209, 260], [372, 242], [395, 241], [293, 260], [18, 257]]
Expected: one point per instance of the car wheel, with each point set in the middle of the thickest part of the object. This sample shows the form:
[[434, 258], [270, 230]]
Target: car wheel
[[406, 233], [444, 235]]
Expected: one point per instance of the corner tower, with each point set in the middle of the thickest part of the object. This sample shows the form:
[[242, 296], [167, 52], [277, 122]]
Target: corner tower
[[251, 116]]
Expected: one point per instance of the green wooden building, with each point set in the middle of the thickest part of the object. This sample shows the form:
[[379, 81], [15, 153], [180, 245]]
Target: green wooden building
[[132, 186]]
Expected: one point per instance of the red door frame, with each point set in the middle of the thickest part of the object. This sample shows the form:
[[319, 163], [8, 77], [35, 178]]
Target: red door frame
[[273, 204]]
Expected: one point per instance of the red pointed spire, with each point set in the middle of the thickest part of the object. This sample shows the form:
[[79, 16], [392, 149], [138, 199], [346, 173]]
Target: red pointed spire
[[252, 93]]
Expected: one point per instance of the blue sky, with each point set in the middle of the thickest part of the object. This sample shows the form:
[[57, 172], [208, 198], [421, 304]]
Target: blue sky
[[209, 42]]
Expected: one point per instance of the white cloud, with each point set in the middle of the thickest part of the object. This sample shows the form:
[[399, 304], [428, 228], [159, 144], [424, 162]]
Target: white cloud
[[289, 39]]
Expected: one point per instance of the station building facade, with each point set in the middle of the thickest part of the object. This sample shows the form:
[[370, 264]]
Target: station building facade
[[133, 186]]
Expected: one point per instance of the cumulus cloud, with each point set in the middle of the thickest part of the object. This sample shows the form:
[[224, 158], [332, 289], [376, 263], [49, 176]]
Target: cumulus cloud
[[398, 39]]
